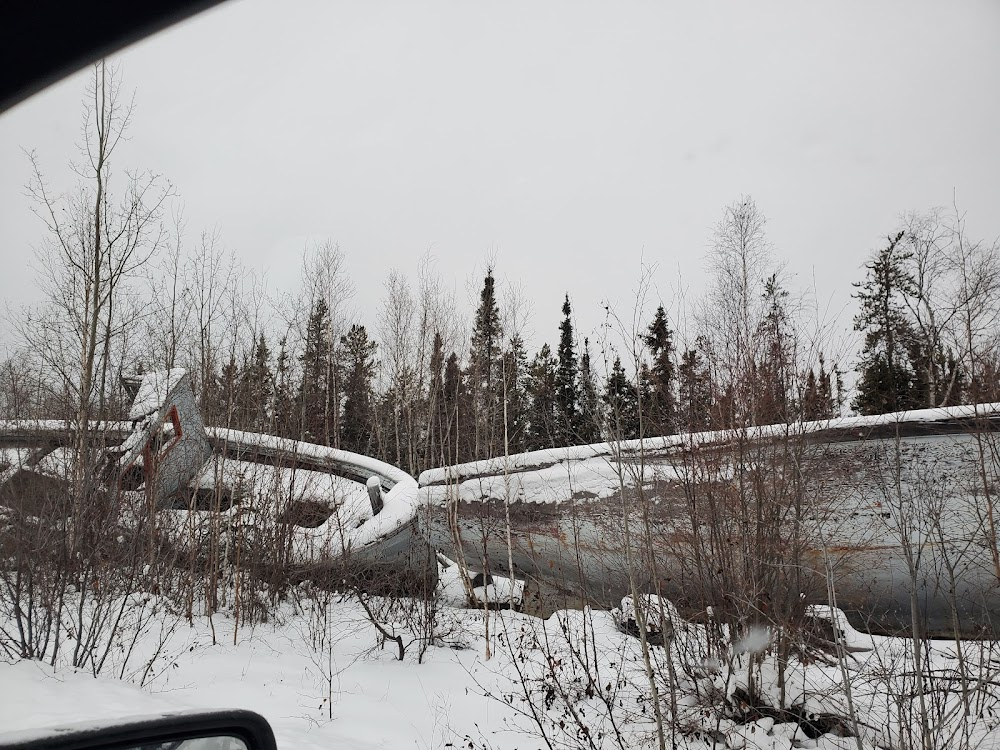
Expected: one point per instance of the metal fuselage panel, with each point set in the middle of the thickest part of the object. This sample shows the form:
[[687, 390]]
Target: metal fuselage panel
[[891, 524]]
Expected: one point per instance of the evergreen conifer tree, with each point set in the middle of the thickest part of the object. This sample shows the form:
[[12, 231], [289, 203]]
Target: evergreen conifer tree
[[824, 392], [456, 443], [284, 417], [357, 358], [588, 428], [543, 409], [257, 389], [566, 380], [694, 392], [774, 401], [227, 413], [484, 372], [621, 404], [312, 394], [810, 397], [434, 454], [886, 382], [515, 372], [818, 400], [657, 379]]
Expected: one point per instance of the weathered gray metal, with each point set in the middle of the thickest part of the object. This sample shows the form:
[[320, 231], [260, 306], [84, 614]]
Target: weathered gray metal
[[54, 433], [168, 437], [28, 442], [589, 546], [375, 495], [165, 447]]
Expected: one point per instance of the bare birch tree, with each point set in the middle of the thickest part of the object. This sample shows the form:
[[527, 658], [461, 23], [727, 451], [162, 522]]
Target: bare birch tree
[[169, 299], [952, 301], [734, 309], [399, 368], [97, 240], [324, 271]]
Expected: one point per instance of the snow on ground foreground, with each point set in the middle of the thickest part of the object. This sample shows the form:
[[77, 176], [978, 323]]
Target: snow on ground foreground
[[279, 671], [323, 678]]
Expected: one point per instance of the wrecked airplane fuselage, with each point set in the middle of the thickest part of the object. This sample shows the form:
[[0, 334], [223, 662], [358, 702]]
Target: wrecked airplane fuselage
[[892, 514], [884, 513], [315, 512], [167, 442]]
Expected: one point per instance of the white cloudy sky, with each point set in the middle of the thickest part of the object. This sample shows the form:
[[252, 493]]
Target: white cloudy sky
[[575, 140]]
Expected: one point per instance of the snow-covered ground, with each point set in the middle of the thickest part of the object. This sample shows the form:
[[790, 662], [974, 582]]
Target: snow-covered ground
[[318, 672], [324, 676], [377, 702]]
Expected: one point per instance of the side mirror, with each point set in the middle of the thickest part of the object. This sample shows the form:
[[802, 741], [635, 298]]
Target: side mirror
[[185, 730]]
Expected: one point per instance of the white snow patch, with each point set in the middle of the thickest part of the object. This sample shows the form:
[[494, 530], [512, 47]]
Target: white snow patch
[[292, 448], [153, 391], [500, 591], [376, 701]]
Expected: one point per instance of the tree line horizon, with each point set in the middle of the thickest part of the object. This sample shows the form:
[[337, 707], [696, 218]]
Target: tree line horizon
[[123, 294]]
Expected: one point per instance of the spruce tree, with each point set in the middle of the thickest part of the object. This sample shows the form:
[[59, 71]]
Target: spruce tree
[[436, 408], [657, 379], [256, 389], [229, 395], [839, 399], [824, 392], [357, 358], [284, 419], [827, 398], [515, 373], [810, 397], [484, 372], [818, 400], [312, 394], [456, 442], [621, 404], [588, 428], [887, 379], [694, 392], [543, 412], [566, 380], [774, 402]]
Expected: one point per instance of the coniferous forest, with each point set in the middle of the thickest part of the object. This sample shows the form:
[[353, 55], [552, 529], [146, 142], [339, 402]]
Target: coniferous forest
[[428, 379]]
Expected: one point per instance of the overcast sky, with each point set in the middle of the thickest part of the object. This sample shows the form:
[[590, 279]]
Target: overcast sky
[[575, 140]]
